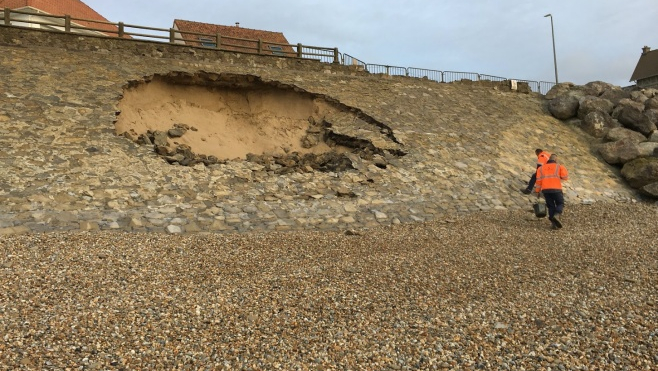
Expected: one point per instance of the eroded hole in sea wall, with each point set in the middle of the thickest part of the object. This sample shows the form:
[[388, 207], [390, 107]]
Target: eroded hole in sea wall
[[215, 118]]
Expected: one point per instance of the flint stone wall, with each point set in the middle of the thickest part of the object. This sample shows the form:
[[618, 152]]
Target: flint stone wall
[[468, 147]]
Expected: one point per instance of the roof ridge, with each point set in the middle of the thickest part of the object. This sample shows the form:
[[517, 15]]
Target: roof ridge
[[222, 25]]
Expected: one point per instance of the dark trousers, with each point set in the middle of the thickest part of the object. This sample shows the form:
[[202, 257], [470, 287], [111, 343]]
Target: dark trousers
[[554, 202], [533, 179], [531, 182]]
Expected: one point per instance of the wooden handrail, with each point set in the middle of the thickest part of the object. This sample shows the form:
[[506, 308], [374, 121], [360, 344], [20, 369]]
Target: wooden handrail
[[222, 42]]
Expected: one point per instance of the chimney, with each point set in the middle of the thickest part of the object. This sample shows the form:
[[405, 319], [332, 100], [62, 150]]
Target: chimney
[[645, 50], [237, 24]]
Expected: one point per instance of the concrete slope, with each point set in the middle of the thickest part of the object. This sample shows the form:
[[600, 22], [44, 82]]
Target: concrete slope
[[468, 147]]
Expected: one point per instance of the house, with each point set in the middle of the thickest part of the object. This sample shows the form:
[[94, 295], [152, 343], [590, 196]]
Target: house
[[74, 8], [646, 71], [232, 38]]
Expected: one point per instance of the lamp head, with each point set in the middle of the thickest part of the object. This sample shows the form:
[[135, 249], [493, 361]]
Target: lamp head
[[548, 15]]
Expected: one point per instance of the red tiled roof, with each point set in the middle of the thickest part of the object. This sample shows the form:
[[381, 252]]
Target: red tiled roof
[[231, 33], [647, 66], [74, 8]]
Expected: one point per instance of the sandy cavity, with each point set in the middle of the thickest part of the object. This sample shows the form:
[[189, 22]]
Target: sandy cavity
[[228, 123]]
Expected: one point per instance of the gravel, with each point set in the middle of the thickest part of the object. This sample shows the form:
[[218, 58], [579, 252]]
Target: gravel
[[494, 291]]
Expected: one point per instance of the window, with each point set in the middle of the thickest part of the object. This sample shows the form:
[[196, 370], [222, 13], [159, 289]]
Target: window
[[206, 41], [277, 50]]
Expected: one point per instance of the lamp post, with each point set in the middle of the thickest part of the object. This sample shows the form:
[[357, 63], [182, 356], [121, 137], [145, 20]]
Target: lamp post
[[553, 36]]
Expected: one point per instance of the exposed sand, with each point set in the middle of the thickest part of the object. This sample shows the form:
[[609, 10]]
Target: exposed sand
[[228, 123]]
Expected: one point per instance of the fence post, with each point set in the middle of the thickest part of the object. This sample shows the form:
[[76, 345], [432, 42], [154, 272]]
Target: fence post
[[172, 36], [218, 42], [120, 33], [7, 17], [336, 56], [67, 23], [260, 46], [299, 50]]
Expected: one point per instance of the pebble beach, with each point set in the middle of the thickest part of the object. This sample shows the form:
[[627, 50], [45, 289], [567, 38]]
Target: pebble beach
[[493, 290]]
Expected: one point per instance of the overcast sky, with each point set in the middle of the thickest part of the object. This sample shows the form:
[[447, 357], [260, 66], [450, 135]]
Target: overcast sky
[[594, 39]]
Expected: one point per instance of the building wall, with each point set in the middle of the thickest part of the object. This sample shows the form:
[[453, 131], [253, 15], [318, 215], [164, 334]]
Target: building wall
[[651, 82], [36, 21]]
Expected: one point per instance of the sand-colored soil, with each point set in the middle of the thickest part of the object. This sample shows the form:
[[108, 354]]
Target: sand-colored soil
[[227, 123]]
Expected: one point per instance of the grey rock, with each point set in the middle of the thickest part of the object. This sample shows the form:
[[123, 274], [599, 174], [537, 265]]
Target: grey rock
[[559, 89], [598, 123], [590, 104], [174, 229], [616, 134], [160, 138], [635, 119], [648, 149], [641, 172], [650, 189], [639, 96], [651, 103], [598, 88], [619, 152], [563, 107], [176, 132], [615, 95]]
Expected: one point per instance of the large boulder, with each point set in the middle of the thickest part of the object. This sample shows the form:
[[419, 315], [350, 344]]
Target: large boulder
[[652, 115], [623, 104], [559, 90], [616, 134], [651, 103], [563, 107], [590, 104], [651, 92], [597, 124], [641, 172], [635, 119], [650, 190], [648, 149], [615, 95], [570, 89], [597, 88], [639, 96], [619, 152]]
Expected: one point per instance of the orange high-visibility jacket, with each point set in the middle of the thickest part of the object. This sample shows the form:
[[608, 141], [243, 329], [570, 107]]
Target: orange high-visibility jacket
[[550, 176], [542, 158]]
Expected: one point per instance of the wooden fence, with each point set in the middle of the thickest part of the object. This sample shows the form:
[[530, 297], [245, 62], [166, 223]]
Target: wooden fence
[[216, 41]]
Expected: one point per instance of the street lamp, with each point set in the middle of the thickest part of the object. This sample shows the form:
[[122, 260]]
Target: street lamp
[[553, 35]]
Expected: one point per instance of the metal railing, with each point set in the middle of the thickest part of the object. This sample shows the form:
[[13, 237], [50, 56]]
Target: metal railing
[[216, 41], [349, 60], [386, 70], [441, 76]]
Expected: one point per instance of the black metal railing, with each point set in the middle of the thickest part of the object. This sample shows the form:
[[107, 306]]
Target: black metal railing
[[441, 76]]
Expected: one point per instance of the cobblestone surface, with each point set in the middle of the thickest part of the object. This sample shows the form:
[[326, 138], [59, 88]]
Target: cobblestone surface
[[492, 291]]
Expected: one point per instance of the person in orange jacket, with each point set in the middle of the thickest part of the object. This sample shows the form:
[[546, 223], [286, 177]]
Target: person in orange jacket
[[542, 158], [549, 183]]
